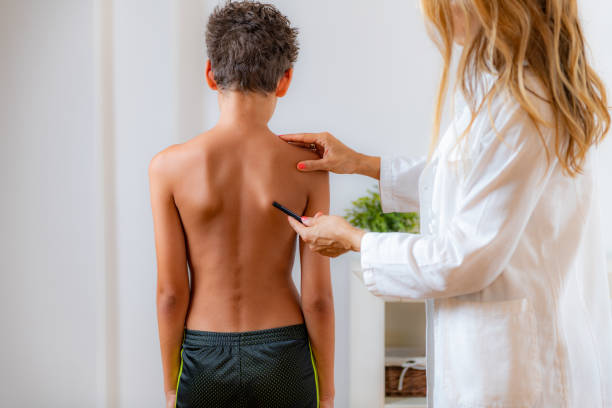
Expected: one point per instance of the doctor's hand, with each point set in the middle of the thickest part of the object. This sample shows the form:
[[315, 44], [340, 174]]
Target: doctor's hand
[[335, 155], [328, 235]]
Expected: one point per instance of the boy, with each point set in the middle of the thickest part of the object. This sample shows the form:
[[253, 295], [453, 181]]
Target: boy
[[236, 336]]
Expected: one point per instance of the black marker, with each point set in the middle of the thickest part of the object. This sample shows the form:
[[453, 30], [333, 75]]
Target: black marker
[[287, 211]]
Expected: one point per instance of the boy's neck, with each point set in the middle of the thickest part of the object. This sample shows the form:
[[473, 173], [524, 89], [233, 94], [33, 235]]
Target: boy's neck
[[245, 110]]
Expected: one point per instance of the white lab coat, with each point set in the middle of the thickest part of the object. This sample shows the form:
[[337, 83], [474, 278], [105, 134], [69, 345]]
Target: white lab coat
[[510, 258]]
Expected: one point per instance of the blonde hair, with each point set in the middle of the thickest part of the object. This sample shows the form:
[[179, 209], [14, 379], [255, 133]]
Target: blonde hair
[[509, 35]]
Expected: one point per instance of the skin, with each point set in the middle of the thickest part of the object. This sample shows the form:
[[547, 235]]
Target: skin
[[460, 23], [212, 208], [331, 235]]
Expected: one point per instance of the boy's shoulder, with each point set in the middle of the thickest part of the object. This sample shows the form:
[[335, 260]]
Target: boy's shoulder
[[164, 161], [171, 161], [183, 151]]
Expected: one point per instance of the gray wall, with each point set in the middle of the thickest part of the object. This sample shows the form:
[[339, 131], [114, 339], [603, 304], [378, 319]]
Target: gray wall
[[50, 335]]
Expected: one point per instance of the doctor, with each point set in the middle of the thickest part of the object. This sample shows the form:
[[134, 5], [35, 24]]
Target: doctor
[[510, 254]]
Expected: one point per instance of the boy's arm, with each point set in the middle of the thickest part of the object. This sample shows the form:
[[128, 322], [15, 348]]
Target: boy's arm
[[172, 273], [317, 299]]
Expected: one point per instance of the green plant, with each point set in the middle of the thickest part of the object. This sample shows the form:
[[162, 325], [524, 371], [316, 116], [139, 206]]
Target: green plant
[[367, 214]]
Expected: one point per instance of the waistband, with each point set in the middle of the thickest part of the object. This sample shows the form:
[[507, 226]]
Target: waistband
[[203, 338]]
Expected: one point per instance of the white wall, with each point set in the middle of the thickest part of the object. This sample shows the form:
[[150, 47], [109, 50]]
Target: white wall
[[50, 333], [90, 91], [158, 100], [598, 32]]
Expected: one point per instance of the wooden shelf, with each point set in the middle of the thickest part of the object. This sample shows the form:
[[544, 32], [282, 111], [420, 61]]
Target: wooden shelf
[[405, 402]]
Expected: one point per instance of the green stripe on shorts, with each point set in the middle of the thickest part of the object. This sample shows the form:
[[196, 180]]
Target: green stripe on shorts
[[178, 381], [314, 367]]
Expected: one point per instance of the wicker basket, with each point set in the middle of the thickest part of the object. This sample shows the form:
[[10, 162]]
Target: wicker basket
[[414, 383]]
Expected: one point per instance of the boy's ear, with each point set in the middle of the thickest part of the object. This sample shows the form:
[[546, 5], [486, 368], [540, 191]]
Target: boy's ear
[[283, 84], [210, 77]]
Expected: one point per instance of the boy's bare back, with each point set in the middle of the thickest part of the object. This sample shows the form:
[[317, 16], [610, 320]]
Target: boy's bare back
[[240, 249]]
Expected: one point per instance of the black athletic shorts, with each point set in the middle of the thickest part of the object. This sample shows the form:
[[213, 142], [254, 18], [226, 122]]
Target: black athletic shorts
[[266, 368]]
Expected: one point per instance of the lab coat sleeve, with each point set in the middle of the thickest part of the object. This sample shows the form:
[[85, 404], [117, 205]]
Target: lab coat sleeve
[[507, 176], [399, 183]]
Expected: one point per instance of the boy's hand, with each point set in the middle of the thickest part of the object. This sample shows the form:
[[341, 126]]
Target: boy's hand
[[326, 402], [170, 399]]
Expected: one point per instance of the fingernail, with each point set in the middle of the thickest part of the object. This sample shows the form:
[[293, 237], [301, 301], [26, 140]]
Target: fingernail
[[301, 166]]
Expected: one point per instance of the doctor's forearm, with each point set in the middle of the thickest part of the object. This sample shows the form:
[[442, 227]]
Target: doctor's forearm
[[368, 166]]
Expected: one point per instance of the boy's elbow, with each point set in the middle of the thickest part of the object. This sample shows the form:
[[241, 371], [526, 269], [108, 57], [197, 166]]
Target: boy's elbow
[[320, 305], [171, 301]]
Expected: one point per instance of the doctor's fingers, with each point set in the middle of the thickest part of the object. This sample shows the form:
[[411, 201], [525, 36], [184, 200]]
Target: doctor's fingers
[[315, 142], [335, 155], [306, 139], [312, 221], [307, 234], [316, 147], [324, 164], [301, 230], [331, 252]]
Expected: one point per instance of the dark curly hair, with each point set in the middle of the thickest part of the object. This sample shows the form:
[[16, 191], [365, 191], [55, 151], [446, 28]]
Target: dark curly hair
[[250, 46]]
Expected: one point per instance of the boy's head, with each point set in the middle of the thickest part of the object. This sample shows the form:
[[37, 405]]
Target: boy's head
[[250, 46]]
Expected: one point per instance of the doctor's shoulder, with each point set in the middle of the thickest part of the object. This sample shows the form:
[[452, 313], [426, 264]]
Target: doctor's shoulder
[[505, 120]]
